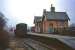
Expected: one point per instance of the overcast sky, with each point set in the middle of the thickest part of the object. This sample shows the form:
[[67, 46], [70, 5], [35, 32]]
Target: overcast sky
[[18, 11]]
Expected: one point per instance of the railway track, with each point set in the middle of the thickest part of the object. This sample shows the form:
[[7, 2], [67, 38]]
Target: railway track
[[27, 44], [37, 45], [18, 44]]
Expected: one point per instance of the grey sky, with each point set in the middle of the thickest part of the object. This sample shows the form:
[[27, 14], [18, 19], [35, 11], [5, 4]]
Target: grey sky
[[25, 10]]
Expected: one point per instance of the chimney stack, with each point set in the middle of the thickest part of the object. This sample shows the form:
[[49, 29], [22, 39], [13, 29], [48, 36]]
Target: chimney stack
[[52, 8]]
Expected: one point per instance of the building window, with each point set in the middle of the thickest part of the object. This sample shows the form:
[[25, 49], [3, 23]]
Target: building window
[[61, 24]]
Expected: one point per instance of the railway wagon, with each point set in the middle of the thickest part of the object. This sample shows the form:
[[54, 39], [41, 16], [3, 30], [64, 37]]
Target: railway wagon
[[21, 30]]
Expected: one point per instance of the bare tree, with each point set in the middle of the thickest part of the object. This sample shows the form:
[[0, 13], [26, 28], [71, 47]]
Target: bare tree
[[3, 34]]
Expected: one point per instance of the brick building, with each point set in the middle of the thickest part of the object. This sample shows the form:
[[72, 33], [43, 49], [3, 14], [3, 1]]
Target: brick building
[[51, 21]]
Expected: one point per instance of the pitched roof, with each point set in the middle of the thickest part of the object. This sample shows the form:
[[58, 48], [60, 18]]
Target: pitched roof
[[57, 16], [37, 19]]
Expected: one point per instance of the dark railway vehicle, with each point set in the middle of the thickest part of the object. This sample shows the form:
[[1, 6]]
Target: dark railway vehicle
[[21, 30]]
